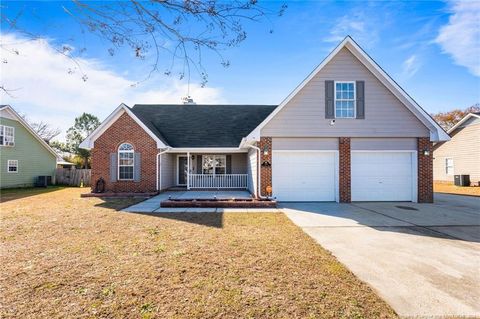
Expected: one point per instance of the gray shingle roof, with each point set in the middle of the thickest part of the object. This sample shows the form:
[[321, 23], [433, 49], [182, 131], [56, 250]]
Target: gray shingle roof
[[201, 125]]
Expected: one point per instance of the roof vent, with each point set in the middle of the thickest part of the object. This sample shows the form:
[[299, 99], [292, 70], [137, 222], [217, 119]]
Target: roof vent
[[188, 100]]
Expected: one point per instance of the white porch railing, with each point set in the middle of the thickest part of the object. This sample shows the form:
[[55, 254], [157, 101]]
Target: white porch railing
[[218, 181]]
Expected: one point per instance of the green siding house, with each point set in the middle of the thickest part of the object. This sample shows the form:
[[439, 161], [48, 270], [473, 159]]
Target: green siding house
[[23, 154]]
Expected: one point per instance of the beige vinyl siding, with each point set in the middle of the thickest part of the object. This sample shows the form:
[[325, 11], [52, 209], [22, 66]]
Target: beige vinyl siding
[[252, 168], [308, 143], [239, 163], [168, 170], [384, 144], [385, 115], [464, 149]]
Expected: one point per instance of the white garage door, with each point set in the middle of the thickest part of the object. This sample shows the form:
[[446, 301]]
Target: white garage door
[[383, 176], [303, 176]]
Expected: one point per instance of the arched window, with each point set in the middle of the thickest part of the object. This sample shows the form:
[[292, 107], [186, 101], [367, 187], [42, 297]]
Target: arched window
[[125, 162]]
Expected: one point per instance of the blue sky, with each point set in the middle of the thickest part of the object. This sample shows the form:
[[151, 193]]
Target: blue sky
[[432, 49]]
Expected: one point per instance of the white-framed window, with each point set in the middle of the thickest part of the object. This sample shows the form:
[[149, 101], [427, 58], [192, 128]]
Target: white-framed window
[[214, 164], [12, 166], [126, 162], [7, 135], [345, 97], [449, 166]]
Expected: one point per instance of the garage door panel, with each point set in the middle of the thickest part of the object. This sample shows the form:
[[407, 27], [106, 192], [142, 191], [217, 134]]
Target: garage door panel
[[382, 176], [303, 176]]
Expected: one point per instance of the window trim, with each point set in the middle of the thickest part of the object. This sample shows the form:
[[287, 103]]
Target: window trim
[[447, 167], [2, 128], [215, 155], [8, 166], [354, 99], [118, 162]]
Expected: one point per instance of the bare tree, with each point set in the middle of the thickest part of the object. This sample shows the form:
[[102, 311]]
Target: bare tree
[[152, 29], [45, 130]]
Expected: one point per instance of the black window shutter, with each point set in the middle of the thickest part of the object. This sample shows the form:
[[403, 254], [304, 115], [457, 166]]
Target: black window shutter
[[329, 100], [360, 87], [229, 164], [137, 168], [113, 167], [199, 164]]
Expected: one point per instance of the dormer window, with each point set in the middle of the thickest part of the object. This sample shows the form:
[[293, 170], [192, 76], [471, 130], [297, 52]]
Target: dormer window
[[7, 135], [345, 99]]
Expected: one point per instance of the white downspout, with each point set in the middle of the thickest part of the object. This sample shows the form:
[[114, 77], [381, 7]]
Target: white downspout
[[259, 186], [188, 170], [159, 163]]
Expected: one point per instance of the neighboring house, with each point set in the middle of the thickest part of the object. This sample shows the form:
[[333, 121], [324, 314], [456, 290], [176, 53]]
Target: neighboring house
[[348, 132], [61, 163], [460, 155], [23, 154]]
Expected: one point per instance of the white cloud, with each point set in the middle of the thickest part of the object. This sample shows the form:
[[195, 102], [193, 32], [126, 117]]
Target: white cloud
[[460, 38], [45, 90], [361, 22], [354, 26], [410, 66]]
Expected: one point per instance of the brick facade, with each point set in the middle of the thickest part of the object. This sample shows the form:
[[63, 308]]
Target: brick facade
[[265, 170], [344, 178], [425, 170], [125, 130]]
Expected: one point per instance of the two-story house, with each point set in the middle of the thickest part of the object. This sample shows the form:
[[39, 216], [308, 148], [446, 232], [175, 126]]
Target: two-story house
[[348, 132], [23, 154]]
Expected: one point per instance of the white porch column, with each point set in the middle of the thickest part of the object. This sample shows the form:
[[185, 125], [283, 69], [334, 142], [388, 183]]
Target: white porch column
[[188, 170]]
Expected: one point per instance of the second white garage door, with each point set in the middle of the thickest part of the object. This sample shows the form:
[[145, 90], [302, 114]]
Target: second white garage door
[[383, 176], [304, 176]]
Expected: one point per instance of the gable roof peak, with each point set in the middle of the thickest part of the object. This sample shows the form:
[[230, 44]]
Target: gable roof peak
[[27, 126], [436, 132], [463, 120]]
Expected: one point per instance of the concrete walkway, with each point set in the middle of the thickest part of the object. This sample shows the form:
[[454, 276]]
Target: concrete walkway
[[423, 259], [152, 205]]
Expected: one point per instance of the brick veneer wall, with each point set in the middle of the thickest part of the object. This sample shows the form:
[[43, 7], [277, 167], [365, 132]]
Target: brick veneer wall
[[125, 130], [344, 177], [425, 170], [265, 171]]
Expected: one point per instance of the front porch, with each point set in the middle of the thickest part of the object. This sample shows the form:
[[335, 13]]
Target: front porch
[[205, 171]]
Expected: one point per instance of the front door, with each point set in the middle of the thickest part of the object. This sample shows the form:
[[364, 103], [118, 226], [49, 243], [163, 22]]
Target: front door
[[182, 170]]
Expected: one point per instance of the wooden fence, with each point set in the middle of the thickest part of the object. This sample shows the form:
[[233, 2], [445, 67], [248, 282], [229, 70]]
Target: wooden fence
[[73, 176]]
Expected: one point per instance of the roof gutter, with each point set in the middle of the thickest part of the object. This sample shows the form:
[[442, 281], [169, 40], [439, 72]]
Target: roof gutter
[[206, 149]]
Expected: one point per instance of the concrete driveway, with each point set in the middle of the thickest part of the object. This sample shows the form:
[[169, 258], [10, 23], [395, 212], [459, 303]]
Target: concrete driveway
[[423, 259]]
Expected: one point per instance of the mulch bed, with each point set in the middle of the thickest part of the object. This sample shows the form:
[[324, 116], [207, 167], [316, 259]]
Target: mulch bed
[[219, 203], [104, 195]]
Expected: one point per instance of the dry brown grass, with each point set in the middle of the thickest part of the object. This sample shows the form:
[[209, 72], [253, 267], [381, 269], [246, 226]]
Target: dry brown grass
[[452, 189], [66, 256]]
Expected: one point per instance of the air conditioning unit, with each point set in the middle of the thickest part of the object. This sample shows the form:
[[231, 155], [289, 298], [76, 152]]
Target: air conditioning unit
[[43, 181], [462, 180]]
